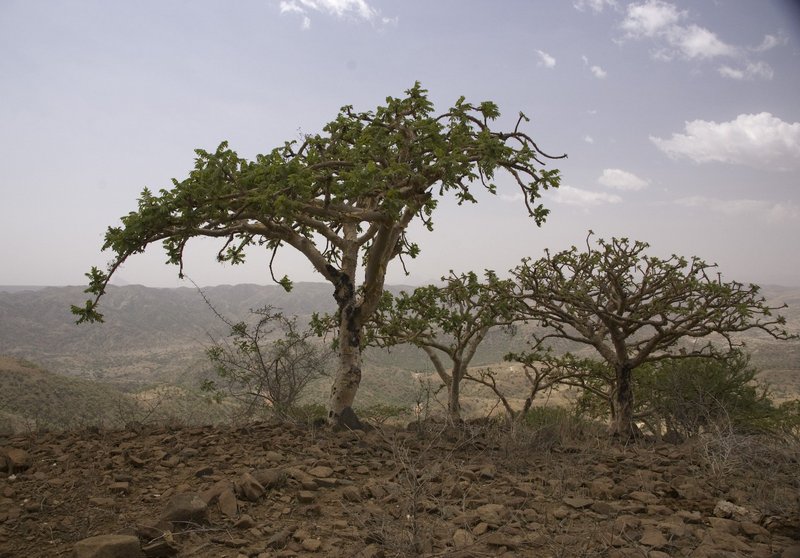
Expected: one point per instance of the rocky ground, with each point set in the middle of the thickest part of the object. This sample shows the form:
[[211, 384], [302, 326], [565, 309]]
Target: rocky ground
[[286, 490]]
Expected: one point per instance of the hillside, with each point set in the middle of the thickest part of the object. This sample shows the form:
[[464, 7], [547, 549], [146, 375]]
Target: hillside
[[154, 336]]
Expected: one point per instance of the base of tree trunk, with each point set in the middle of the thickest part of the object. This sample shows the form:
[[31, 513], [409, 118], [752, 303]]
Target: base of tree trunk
[[345, 420]]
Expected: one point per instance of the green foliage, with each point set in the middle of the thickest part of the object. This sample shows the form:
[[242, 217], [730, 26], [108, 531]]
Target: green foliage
[[688, 396], [634, 309], [356, 187]]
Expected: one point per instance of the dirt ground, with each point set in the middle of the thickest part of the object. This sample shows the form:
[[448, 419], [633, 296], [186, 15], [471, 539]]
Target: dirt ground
[[273, 489]]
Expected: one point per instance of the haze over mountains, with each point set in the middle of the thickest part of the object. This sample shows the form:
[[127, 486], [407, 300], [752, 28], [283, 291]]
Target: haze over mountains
[[156, 336]]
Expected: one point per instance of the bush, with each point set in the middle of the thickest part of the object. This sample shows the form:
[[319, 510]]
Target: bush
[[688, 396]]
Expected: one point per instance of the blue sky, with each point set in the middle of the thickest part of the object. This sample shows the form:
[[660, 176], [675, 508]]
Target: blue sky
[[681, 120]]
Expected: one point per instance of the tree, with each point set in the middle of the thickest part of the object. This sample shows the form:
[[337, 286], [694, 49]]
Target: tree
[[448, 322], [633, 309], [344, 199], [259, 369]]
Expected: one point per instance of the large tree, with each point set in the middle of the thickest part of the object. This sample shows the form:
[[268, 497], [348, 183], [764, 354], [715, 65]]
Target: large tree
[[447, 321], [633, 308], [343, 198]]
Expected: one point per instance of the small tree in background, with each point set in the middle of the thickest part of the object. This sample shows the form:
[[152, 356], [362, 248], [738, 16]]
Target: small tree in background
[[635, 309], [344, 199], [448, 322], [257, 368]]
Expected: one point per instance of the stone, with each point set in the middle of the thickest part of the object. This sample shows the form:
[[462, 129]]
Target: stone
[[109, 546], [727, 525], [321, 472], [729, 510], [306, 496], [791, 552], [493, 514], [644, 497], [185, 508], [227, 503], [578, 502], [270, 478], [16, 460], [248, 488], [351, 494], [119, 487], [245, 522], [652, 537], [311, 545], [462, 538]]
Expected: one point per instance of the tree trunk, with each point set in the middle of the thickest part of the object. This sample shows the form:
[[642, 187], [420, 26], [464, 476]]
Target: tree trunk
[[622, 424], [453, 396], [348, 375]]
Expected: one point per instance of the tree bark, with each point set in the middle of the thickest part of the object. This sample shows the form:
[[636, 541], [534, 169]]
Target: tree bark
[[454, 394], [348, 376], [622, 424]]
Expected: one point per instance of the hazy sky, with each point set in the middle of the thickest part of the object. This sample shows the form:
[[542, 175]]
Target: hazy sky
[[681, 120]]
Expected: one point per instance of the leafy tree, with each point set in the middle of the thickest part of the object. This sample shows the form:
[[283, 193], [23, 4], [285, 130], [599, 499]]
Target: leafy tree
[[257, 368], [448, 322], [633, 309], [344, 199]]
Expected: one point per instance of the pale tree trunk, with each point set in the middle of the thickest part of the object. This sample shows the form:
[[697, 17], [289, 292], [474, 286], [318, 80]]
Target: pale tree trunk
[[454, 394], [348, 376], [622, 424]]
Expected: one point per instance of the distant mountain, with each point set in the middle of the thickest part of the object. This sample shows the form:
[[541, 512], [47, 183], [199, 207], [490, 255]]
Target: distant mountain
[[152, 336]]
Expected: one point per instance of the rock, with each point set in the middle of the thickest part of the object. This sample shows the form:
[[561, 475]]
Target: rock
[[644, 497], [578, 502], [210, 495], [245, 522], [248, 488], [185, 508], [14, 460], [652, 537], [791, 552], [204, 471], [462, 538], [729, 510], [270, 478], [321, 472], [493, 514], [305, 496], [119, 487], [227, 503], [109, 546], [726, 525], [351, 494], [279, 539], [311, 545]]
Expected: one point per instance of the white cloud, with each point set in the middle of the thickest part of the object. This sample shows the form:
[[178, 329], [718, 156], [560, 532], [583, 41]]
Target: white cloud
[[752, 70], [358, 9], [545, 59], [758, 140], [770, 42], [588, 139], [762, 209], [651, 18], [661, 21], [594, 5], [569, 195], [598, 72], [622, 180]]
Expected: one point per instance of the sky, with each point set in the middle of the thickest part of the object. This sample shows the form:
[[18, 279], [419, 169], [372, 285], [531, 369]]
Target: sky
[[681, 121]]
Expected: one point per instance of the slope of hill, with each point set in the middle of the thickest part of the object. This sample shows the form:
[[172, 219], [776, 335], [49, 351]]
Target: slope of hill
[[153, 336]]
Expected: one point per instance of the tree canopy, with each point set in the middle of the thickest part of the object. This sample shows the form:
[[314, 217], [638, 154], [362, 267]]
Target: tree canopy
[[633, 308], [343, 198], [447, 321]]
